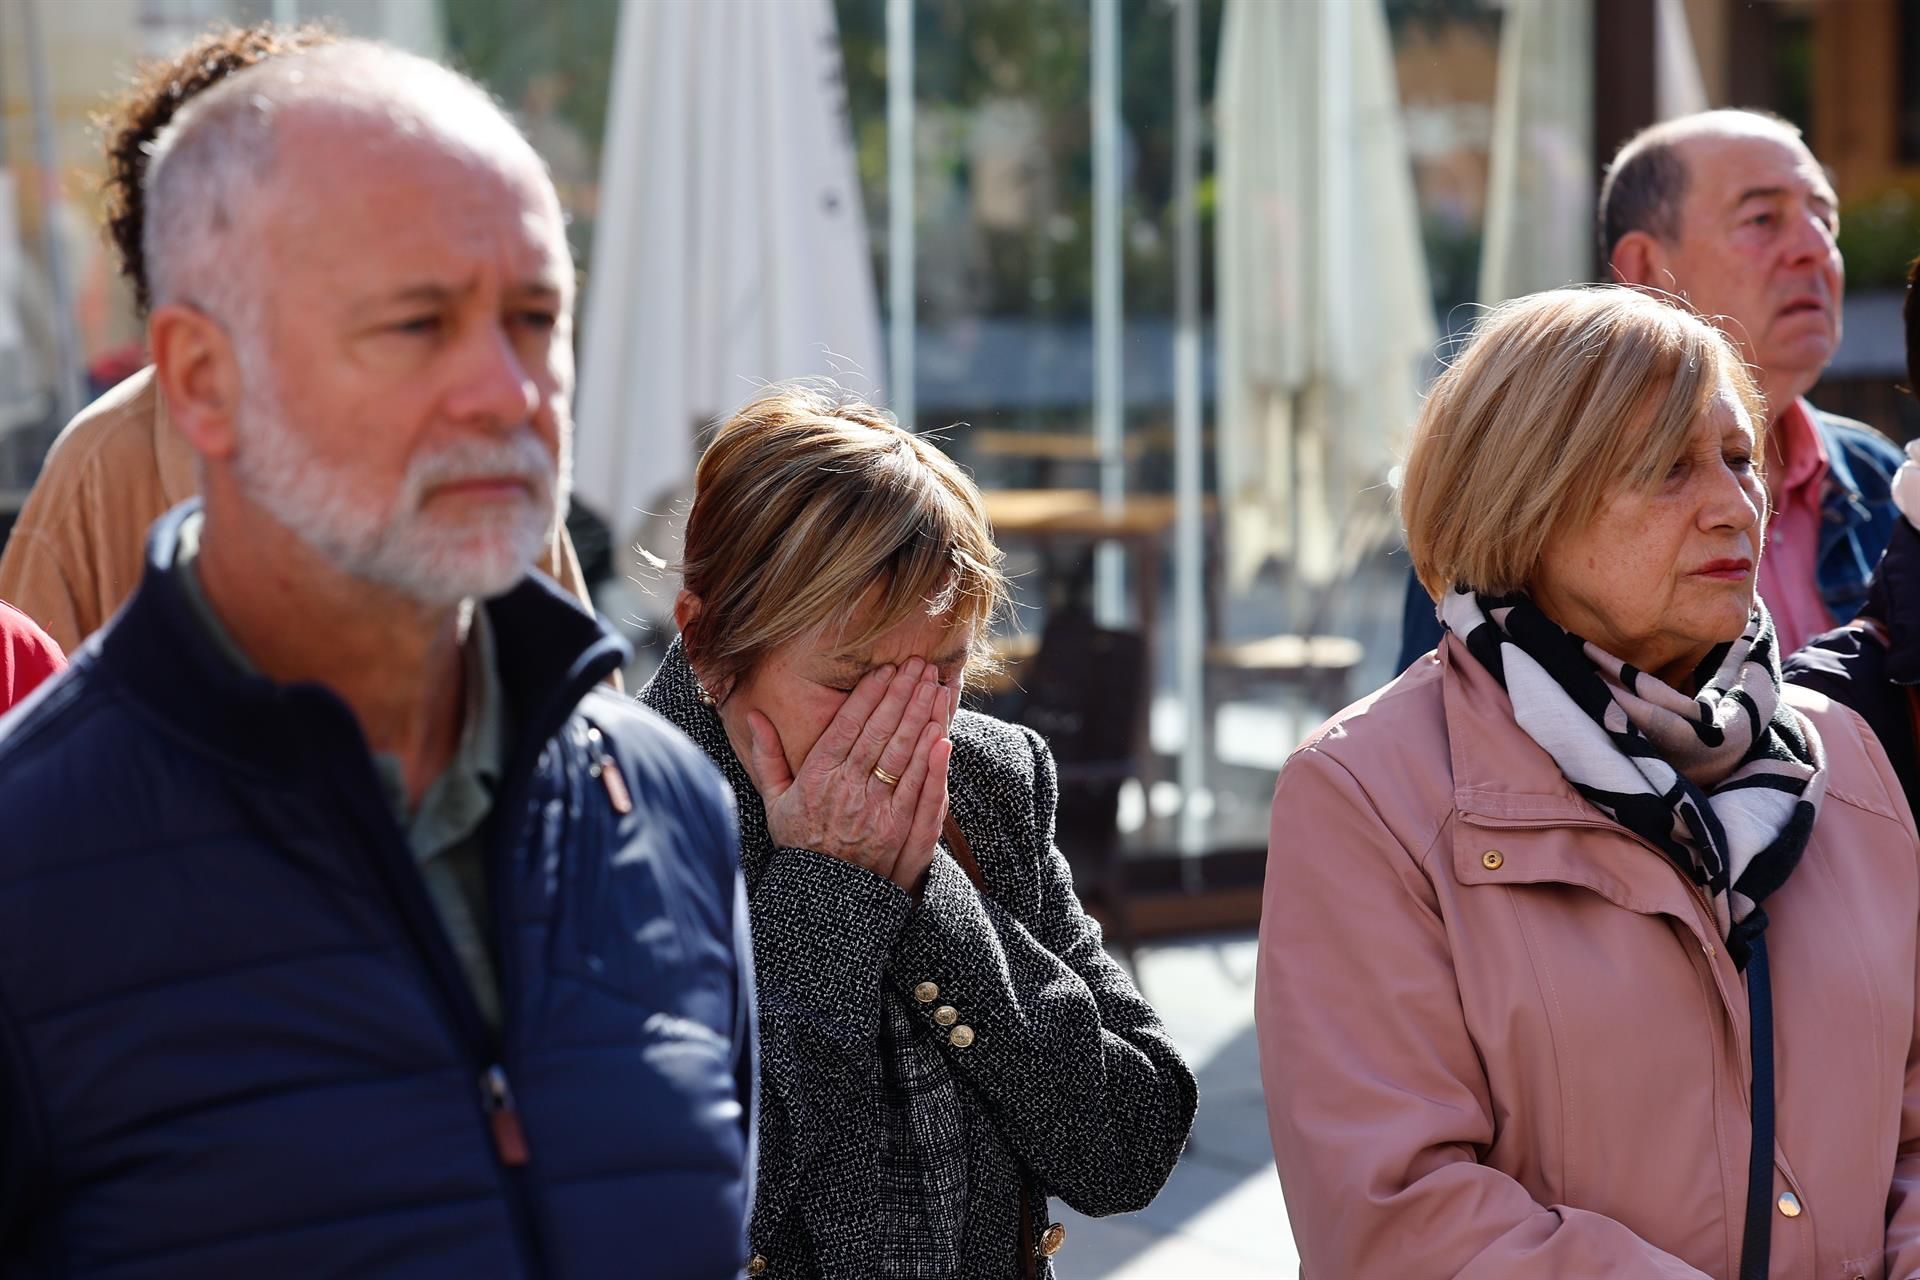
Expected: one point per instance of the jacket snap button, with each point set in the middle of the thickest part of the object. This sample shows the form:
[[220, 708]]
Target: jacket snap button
[[946, 1015], [1492, 859], [1051, 1239], [927, 992], [961, 1036], [1789, 1205], [758, 1267]]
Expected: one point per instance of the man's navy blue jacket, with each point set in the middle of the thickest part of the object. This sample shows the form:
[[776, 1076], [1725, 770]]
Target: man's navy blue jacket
[[235, 1041]]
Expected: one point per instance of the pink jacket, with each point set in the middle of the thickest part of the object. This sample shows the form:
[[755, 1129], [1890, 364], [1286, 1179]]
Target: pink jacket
[[1500, 1038]]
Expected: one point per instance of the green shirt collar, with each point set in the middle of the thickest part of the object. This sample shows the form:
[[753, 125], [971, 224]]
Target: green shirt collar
[[455, 803]]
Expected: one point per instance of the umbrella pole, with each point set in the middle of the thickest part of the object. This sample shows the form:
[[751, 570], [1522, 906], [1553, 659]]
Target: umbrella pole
[[1188, 549], [900, 246], [1109, 585]]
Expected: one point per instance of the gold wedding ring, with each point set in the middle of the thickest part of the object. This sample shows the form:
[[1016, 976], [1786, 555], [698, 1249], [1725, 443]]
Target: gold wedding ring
[[885, 777]]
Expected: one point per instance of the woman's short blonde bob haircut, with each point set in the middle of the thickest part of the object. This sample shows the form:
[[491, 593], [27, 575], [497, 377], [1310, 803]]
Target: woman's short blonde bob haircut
[[1558, 399], [809, 503]]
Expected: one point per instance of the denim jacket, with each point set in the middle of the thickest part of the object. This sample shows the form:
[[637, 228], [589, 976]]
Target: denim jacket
[[1857, 516]]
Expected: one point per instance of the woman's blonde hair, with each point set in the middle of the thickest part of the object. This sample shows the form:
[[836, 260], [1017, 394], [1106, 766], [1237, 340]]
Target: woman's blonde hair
[[807, 501], [1557, 400]]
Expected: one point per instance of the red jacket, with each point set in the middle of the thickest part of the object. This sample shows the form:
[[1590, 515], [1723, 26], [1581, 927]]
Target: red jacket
[[28, 655]]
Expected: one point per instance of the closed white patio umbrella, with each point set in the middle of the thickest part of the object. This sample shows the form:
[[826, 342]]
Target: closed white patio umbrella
[[1325, 316], [1544, 176], [1541, 184], [730, 246]]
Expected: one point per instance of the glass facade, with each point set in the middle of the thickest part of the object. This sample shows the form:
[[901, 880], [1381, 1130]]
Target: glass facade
[[1006, 182], [1039, 332]]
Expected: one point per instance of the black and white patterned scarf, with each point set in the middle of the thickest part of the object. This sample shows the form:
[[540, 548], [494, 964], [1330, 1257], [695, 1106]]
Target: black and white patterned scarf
[[1726, 783]]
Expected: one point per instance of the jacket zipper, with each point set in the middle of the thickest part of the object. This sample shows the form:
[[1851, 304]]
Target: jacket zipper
[[510, 826], [509, 1139], [1706, 905], [486, 1048]]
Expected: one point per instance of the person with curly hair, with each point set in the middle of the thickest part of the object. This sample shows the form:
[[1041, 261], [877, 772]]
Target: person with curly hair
[[77, 550]]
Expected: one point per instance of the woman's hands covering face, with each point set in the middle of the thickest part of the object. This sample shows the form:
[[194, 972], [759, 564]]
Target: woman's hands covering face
[[894, 722]]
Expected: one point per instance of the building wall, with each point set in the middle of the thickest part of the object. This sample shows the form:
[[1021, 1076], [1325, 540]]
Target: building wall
[[86, 50], [1856, 94]]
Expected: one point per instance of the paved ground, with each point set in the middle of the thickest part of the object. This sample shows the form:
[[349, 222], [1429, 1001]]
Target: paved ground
[[1221, 1216]]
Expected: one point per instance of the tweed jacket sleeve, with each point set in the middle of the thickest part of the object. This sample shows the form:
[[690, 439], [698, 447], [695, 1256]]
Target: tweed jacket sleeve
[[822, 929], [1074, 1064]]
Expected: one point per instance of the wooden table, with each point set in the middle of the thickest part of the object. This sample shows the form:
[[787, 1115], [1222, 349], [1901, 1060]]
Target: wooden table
[[1072, 446], [1040, 514], [1141, 523], [1053, 446], [1049, 519]]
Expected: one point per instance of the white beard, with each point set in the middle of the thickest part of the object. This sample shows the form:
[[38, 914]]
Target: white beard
[[435, 559]]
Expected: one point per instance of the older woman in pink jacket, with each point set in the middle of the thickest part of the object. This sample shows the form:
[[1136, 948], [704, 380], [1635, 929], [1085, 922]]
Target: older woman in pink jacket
[[1587, 949]]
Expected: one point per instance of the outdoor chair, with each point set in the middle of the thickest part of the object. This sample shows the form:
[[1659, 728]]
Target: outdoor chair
[[1086, 694], [1316, 659]]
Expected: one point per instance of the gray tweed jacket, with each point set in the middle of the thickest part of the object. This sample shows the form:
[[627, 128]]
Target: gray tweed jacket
[[892, 1142]]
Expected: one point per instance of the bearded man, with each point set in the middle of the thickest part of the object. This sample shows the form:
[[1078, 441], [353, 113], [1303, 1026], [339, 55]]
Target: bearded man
[[347, 928]]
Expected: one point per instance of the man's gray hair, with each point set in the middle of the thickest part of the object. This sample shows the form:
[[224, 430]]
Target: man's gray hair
[[211, 166], [1647, 180]]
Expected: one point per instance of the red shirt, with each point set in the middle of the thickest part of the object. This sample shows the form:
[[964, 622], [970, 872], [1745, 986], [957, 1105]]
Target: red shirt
[[28, 655], [1789, 581]]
